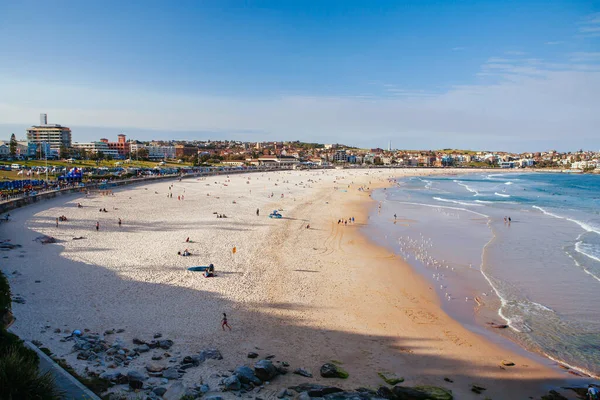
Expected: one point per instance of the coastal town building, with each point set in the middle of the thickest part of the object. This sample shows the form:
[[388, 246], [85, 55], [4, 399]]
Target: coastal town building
[[55, 135], [99, 147], [121, 146]]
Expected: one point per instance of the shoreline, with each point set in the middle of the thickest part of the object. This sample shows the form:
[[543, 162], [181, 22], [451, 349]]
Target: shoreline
[[480, 317], [343, 305]]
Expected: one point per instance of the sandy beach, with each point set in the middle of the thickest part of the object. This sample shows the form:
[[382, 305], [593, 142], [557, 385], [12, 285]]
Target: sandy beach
[[305, 295]]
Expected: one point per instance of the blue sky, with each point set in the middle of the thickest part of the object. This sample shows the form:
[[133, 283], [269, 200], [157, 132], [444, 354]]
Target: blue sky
[[510, 75]]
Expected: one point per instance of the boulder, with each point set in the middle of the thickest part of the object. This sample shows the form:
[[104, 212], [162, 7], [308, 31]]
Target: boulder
[[246, 375], [142, 349], [314, 390], [165, 344], [204, 388], [112, 376], [421, 393], [303, 372], [390, 378], [385, 392], [330, 370], [212, 354], [170, 373], [265, 370], [232, 383], [175, 392], [154, 367], [159, 391], [135, 376], [252, 355]]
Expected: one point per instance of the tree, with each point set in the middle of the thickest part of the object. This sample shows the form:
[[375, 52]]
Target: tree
[[13, 145], [142, 154]]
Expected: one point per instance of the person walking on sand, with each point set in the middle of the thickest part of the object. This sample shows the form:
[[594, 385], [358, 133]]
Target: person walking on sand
[[57, 222], [120, 222], [257, 212], [97, 226], [224, 322]]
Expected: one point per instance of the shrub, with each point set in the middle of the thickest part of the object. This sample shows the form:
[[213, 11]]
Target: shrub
[[20, 378]]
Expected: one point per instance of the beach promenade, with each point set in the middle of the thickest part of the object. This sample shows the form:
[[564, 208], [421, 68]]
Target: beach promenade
[[303, 288]]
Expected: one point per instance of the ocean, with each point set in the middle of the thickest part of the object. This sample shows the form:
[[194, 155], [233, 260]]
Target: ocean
[[516, 249]]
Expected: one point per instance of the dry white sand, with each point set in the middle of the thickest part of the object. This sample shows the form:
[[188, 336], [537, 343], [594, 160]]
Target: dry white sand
[[307, 296]]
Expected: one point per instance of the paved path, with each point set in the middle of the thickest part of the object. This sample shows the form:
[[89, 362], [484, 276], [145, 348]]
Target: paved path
[[74, 390]]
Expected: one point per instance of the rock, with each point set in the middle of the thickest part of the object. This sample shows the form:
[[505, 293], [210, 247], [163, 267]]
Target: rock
[[265, 370], [175, 392], [390, 378], [285, 364], [314, 390], [303, 396], [109, 332], [212, 354], [303, 372], [385, 392], [421, 393], [232, 383], [159, 391], [270, 357], [112, 376], [246, 375], [204, 388], [57, 330], [252, 355], [120, 330], [170, 373], [154, 367], [508, 363], [195, 360], [138, 341], [165, 344], [330, 370], [142, 349], [282, 393], [135, 376], [156, 358], [157, 335], [186, 366]]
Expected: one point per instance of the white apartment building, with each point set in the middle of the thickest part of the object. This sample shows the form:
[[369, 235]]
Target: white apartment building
[[97, 147]]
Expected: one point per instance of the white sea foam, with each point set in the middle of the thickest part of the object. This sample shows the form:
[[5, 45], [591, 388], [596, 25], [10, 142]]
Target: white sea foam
[[584, 225], [448, 207], [587, 251], [501, 194], [587, 271], [508, 183], [464, 203], [470, 189]]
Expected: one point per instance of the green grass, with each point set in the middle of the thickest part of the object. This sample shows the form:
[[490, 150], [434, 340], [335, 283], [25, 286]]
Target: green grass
[[12, 175]]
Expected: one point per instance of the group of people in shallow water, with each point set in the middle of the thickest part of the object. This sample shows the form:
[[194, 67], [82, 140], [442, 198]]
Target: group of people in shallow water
[[507, 220], [346, 221]]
